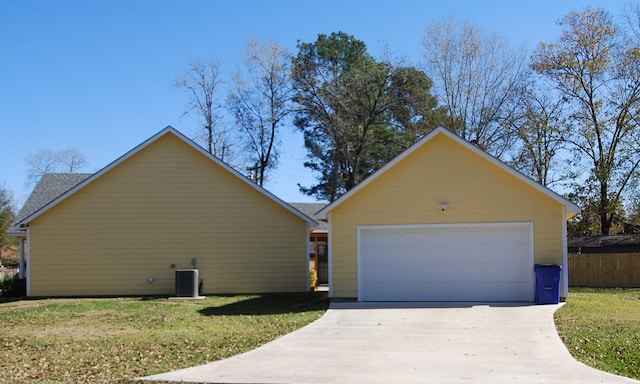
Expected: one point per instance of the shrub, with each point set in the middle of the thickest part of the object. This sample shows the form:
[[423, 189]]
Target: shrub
[[13, 286], [313, 278], [9, 257]]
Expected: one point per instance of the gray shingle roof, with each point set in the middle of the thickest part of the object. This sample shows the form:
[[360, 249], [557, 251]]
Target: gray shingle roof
[[310, 209], [50, 186], [604, 241]]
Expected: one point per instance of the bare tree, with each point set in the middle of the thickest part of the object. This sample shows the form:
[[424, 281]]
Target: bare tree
[[474, 74], [71, 160], [39, 163], [47, 161], [201, 80], [631, 19], [541, 127], [260, 102], [598, 70]]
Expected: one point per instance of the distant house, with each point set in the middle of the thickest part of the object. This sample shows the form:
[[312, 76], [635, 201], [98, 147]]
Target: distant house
[[162, 206], [604, 244]]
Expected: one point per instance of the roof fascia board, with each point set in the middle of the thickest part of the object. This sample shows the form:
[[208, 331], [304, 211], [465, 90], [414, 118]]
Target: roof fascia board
[[572, 209], [146, 143]]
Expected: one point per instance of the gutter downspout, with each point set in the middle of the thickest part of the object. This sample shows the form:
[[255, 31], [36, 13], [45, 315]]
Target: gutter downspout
[[21, 265], [564, 291], [330, 252], [27, 266], [307, 232]]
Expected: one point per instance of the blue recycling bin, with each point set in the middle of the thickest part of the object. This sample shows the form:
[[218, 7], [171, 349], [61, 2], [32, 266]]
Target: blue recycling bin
[[547, 283]]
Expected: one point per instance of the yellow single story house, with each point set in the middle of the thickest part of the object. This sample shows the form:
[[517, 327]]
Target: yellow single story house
[[445, 221], [165, 205]]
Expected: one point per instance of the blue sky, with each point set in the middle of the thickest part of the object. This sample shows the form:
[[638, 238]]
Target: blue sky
[[96, 75]]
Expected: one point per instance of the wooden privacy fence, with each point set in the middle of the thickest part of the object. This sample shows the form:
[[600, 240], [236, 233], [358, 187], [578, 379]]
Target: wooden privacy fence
[[604, 270]]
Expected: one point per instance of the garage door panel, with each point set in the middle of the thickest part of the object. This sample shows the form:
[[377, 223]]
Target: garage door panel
[[470, 263], [443, 291]]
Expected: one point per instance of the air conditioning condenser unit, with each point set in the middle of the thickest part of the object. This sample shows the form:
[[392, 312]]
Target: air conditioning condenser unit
[[187, 283]]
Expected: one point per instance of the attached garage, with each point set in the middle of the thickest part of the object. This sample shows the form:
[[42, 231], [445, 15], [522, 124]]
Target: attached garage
[[470, 262], [445, 221]]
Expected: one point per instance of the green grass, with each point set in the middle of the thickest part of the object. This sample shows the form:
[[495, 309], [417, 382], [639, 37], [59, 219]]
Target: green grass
[[115, 340], [601, 328]]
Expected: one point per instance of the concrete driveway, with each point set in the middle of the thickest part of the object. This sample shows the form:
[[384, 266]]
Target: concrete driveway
[[410, 343]]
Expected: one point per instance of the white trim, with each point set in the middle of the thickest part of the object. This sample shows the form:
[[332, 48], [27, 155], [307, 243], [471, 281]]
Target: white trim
[[529, 226], [307, 257], [22, 263], [17, 234], [532, 249], [28, 264], [532, 243], [359, 231], [146, 143], [571, 208], [450, 225], [330, 254], [564, 291]]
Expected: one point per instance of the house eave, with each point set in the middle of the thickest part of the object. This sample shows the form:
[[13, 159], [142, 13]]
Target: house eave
[[19, 234]]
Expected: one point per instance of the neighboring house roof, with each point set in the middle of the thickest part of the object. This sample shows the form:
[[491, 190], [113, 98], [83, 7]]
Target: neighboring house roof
[[571, 208], [604, 244], [49, 187], [64, 186], [310, 209]]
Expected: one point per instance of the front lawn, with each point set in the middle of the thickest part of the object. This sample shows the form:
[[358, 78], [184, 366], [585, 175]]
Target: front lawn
[[601, 328], [114, 340]]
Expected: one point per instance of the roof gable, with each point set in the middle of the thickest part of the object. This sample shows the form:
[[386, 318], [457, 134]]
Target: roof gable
[[571, 208], [166, 131]]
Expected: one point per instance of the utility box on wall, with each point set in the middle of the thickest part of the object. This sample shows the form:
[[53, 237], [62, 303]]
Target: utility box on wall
[[187, 282]]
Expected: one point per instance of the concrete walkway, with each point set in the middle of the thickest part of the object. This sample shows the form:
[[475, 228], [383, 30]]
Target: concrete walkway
[[410, 343]]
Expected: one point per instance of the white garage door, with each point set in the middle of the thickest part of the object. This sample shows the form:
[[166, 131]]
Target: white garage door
[[468, 262]]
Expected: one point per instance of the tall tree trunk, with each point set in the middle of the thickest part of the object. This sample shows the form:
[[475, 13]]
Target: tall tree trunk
[[605, 218], [210, 138]]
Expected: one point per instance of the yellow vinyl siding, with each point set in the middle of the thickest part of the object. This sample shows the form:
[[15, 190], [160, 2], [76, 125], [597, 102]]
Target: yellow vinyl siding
[[165, 205], [475, 190]]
